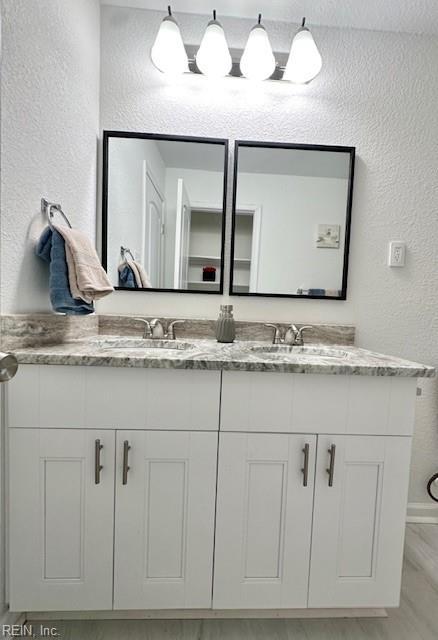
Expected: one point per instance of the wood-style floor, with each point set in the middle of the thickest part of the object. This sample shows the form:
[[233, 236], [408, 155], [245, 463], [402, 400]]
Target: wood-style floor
[[416, 619]]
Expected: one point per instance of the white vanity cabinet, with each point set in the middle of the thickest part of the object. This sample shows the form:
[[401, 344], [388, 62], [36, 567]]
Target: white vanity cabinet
[[60, 519], [264, 520], [234, 490], [362, 426], [62, 542], [164, 522], [359, 521], [265, 537], [65, 530]]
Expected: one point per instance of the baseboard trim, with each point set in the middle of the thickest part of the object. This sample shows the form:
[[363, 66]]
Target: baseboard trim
[[9, 618], [422, 513], [206, 614]]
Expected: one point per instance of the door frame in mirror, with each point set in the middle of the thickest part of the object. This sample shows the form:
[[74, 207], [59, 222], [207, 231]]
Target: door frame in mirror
[[107, 135], [306, 147]]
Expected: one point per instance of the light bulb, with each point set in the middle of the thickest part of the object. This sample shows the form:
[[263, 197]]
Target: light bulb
[[213, 58], [258, 62], [168, 53], [304, 61]]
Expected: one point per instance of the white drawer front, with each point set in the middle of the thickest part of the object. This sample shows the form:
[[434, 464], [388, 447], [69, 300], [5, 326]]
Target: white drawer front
[[52, 396], [300, 403]]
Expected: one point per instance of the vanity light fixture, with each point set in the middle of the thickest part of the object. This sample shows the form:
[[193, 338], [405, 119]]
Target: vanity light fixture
[[168, 53], [304, 61], [213, 58], [258, 61]]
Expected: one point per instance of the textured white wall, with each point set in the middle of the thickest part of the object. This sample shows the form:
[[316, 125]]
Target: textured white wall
[[49, 127], [378, 92], [49, 131]]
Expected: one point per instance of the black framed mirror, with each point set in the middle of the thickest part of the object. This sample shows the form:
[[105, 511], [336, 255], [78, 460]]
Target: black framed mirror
[[291, 220], [163, 224]]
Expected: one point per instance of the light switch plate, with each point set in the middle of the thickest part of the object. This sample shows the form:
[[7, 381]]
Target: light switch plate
[[397, 254]]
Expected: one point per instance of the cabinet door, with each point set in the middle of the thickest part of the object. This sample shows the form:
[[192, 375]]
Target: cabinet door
[[263, 523], [61, 519], [359, 521], [164, 519]]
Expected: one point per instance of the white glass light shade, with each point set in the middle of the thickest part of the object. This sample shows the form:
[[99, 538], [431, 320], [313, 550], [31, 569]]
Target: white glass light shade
[[258, 62], [304, 61], [168, 53], [213, 58]]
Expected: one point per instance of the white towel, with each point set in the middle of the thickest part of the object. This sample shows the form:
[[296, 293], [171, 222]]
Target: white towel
[[141, 277], [87, 278]]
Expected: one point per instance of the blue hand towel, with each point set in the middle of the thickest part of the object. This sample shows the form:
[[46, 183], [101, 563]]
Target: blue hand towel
[[316, 292], [51, 249], [126, 277]]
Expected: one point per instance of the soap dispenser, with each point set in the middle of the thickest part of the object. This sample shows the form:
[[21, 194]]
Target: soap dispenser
[[225, 325]]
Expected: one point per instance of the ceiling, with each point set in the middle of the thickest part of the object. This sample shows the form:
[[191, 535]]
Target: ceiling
[[294, 162], [189, 155], [276, 161], [410, 16]]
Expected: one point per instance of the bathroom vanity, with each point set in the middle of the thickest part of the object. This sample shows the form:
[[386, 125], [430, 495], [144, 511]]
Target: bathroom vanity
[[207, 477]]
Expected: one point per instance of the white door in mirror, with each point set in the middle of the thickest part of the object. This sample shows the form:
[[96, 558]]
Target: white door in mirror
[[397, 254]]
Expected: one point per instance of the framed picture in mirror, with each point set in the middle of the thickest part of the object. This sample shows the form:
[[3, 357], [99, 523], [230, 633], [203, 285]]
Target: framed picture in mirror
[[291, 220], [163, 220]]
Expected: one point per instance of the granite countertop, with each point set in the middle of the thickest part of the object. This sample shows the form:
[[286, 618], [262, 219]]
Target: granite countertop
[[112, 351]]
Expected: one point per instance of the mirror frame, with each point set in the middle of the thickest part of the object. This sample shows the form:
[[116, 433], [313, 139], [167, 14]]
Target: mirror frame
[[107, 135], [307, 147]]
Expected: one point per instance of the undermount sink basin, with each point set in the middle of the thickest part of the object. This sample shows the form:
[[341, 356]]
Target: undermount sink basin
[[284, 350], [156, 352], [136, 344]]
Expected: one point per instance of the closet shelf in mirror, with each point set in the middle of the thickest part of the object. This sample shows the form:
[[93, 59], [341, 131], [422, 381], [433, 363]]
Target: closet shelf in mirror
[[205, 259], [203, 285], [242, 262], [217, 260]]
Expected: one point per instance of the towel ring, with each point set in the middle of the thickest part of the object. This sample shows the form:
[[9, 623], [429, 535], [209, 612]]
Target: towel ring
[[429, 486], [49, 209], [124, 251]]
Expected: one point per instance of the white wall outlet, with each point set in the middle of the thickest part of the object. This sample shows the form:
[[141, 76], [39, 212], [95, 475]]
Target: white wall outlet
[[397, 254]]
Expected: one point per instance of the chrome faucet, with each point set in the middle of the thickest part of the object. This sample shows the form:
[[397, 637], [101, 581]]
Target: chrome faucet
[[294, 336], [278, 337], [155, 329]]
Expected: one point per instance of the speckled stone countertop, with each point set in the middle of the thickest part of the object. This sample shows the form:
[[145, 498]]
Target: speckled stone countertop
[[112, 351]]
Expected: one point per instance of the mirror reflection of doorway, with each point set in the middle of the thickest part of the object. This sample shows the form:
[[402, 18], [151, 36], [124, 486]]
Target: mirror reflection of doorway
[[153, 229], [182, 237]]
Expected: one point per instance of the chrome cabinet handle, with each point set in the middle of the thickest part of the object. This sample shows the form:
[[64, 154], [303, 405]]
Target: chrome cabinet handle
[[305, 469], [331, 468], [97, 466], [126, 466]]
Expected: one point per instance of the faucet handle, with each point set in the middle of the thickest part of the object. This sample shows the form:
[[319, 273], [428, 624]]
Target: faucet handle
[[299, 340], [171, 328], [277, 338], [305, 327], [147, 327]]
